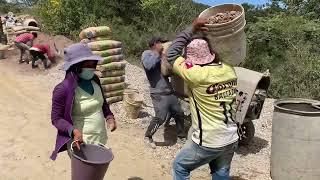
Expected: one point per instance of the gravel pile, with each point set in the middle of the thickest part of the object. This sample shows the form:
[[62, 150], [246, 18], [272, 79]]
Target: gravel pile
[[253, 162], [223, 17], [55, 75], [250, 163], [60, 41], [136, 79]]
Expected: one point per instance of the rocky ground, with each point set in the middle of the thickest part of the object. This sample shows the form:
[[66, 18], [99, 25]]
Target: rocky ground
[[250, 163], [225, 17]]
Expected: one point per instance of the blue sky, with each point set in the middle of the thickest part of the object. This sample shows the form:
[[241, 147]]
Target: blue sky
[[214, 2]]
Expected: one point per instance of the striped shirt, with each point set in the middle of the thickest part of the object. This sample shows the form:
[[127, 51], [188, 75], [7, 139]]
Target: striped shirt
[[24, 38]]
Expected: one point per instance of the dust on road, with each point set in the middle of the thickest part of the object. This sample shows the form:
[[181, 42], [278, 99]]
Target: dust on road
[[27, 136]]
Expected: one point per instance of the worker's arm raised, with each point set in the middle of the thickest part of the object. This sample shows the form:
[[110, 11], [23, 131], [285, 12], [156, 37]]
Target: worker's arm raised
[[175, 50], [183, 39]]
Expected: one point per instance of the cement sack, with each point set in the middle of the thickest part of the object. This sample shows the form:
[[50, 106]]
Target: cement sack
[[104, 45], [93, 32], [180, 87], [29, 21], [113, 87], [27, 28], [94, 39], [112, 80], [113, 93], [109, 52], [112, 66], [166, 67], [115, 99], [20, 32], [109, 59], [112, 73]]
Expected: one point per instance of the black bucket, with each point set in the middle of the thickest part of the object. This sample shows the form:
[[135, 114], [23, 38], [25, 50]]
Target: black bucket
[[90, 162]]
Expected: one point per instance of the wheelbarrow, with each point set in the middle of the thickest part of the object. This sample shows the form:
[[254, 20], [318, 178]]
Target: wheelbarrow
[[251, 94]]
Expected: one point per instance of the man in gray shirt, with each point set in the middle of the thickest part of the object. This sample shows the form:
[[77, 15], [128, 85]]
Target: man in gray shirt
[[166, 104]]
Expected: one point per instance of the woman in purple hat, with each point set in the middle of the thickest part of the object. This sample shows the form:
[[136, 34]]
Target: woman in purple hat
[[79, 107]]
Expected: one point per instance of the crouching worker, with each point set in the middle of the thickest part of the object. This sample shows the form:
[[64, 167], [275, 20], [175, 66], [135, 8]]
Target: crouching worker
[[24, 42], [212, 102], [38, 51]]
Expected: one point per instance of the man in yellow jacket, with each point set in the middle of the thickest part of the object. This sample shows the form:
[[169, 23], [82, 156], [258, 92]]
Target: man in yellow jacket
[[212, 86]]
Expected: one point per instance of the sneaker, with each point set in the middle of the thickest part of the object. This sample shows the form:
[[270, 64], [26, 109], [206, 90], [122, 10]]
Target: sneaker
[[35, 66], [149, 142]]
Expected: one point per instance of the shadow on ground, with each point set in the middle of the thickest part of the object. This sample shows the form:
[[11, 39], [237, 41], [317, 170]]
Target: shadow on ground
[[170, 132], [255, 147], [237, 178], [169, 135], [135, 178]]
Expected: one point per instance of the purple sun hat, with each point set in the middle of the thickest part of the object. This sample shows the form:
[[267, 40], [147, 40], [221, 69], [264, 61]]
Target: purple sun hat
[[77, 53]]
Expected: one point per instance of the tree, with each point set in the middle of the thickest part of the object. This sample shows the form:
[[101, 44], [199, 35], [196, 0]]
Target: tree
[[287, 45], [7, 7], [308, 8], [24, 3], [282, 36]]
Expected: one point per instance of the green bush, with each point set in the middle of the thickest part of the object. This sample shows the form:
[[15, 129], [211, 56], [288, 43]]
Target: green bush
[[286, 45], [132, 21], [285, 42]]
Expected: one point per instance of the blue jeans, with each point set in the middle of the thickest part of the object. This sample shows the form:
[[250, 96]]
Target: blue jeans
[[193, 156]]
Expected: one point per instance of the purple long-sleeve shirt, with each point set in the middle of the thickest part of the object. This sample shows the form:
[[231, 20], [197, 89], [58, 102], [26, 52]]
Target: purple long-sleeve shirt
[[62, 103]]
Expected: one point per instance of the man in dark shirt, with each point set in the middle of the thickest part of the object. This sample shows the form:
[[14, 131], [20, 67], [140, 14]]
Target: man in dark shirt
[[166, 104]]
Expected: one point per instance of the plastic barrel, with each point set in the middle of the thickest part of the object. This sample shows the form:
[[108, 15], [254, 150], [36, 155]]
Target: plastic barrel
[[180, 87]]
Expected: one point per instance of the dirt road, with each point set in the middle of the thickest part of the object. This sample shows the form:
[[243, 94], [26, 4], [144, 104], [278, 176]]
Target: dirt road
[[27, 136]]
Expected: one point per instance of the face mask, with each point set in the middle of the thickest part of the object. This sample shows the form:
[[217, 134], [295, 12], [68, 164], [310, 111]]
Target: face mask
[[87, 73]]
